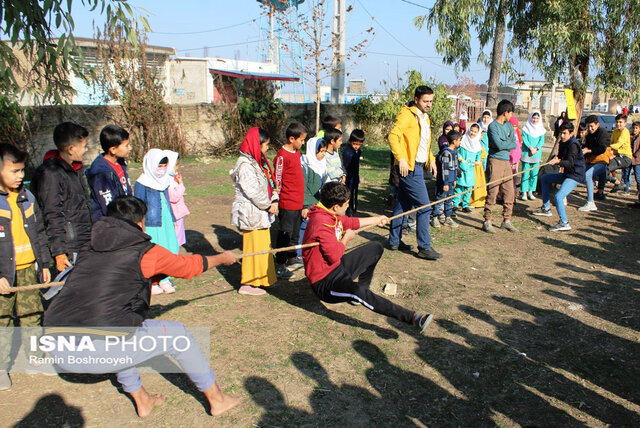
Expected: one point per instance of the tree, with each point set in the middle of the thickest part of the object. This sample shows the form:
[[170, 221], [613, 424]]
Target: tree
[[564, 39], [455, 21], [311, 31], [133, 78], [34, 61]]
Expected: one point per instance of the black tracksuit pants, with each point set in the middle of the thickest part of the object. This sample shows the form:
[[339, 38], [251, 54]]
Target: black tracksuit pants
[[340, 285], [288, 234]]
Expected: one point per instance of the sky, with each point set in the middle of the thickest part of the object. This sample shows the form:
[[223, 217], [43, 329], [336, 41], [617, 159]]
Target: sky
[[234, 29]]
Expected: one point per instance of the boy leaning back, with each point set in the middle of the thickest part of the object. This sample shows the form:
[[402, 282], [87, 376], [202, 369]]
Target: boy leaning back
[[24, 253], [332, 273]]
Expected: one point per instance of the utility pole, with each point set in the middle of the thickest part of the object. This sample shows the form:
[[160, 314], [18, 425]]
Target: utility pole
[[339, 52]]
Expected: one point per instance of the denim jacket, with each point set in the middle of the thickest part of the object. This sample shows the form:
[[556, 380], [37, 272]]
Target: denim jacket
[[151, 197]]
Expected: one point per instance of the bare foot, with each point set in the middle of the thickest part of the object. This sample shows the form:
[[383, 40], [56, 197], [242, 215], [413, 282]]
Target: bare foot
[[219, 401], [145, 402]]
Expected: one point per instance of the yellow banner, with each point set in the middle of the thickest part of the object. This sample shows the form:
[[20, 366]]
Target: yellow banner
[[571, 105]]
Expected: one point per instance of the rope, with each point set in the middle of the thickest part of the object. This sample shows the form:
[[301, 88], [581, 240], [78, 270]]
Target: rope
[[297, 247]]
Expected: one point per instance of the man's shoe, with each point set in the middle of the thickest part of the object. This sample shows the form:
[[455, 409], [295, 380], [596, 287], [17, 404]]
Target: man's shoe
[[560, 226], [283, 273], [542, 211], [435, 222], [507, 225], [488, 227], [422, 321], [599, 196], [5, 381], [467, 210], [428, 254], [617, 187], [449, 222], [401, 247], [589, 206]]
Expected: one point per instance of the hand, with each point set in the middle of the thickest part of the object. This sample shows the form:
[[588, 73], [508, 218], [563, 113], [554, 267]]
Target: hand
[[62, 262], [554, 161], [433, 168], [305, 211], [403, 166], [445, 187], [533, 151], [178, 177], [586, 151], [476, 163], [349, 234], [383, 220], [227, 258], [5, 288], [46, 276], [273, 209], [343, 179]]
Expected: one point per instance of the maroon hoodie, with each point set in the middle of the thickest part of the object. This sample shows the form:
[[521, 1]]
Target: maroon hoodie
[[325, 228]]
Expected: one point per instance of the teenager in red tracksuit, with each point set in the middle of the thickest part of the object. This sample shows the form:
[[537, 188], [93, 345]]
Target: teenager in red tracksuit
[[331, 272]]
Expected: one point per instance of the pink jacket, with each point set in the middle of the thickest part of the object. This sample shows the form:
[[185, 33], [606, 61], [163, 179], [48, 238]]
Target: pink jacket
[[516, 154], [176, 197]]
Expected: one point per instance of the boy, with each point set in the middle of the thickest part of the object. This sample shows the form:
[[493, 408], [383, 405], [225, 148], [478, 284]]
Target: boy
[[351, 163], [290, 185], [335, 172], [328, 122], [25, 255], [110, 286], [635, 153], [107, 175], [501, 141], [332, 273], [621, 147], [60, 185], [597, 157], [571, 159], [447, 163]]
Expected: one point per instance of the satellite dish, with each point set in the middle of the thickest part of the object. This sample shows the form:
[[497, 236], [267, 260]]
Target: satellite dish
[[281, 4]]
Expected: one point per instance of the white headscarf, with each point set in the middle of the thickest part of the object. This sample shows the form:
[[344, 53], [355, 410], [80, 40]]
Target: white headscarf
[[311, 159], [150, 164], [481, 123], [472, 145], [534, 130]]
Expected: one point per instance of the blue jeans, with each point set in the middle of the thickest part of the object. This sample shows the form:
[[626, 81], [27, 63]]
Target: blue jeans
[[599, 170], [412, 192], [446, 206], [303, 227], [568, 184], [636, 174]]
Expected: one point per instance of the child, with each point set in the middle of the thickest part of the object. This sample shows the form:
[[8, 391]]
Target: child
[[60, 186], [331, 272], [515, 154], [253, 211], [335, 172], [635, 153], [582, 134], [25, 255], [571, 159], [447, 162], [442, 140], [178, 206], [597, 156], [110, 287], [107, 175], [290, 185], [501, 141], [533, 135], [328, 122], [351, 162], [469, 157], [621, 148], [484, 122], [152, 188]]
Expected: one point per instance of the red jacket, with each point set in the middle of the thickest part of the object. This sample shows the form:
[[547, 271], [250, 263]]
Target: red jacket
[[289, 179], [325, 228]]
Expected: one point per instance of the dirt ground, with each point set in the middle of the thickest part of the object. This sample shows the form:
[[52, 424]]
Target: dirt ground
[[532, 329]]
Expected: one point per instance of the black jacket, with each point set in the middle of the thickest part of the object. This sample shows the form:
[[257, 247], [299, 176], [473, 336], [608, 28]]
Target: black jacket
[[105, 185], [572, 160], [63, 196], [106, 287], [34, 226], [597, 142]]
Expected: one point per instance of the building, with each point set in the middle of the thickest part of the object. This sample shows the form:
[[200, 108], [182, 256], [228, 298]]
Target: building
[[546, 97]]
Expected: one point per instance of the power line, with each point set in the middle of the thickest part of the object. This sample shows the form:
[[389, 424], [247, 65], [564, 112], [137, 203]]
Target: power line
[[416, 56], [206, 31], [415, 4], [219, 46]]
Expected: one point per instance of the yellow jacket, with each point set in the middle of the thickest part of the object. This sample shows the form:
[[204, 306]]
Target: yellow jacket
[[404, 138], [621, 142]]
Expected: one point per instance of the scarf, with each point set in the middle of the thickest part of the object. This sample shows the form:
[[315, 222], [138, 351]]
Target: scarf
[[150, 163], [481, 123], [534, 131], [311, 160], [472, 145], [251, 146]]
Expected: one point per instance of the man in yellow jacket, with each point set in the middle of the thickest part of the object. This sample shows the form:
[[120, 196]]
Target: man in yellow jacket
[[621, 148], [410, 142]]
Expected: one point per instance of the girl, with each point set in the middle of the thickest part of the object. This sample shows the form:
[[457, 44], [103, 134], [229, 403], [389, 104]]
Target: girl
[[178, 207], [152, 187], [485, 120], [442, 141], [470, 153], [533, 135], [515, 154], [253, 211], [315, 174]]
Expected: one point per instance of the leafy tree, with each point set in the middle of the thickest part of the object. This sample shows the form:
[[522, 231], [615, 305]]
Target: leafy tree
[[34, 62], [584, 41], [455, 21]]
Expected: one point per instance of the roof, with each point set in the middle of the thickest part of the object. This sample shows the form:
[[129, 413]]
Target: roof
[[254, 75]]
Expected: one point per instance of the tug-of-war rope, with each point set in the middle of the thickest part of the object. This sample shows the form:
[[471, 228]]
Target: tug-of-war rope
[[296, 247]]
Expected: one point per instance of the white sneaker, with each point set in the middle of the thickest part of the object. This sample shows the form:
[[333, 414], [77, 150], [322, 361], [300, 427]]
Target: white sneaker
[[524, 196], [560, 226], [531, 197], [155, 290], [589, 206]]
